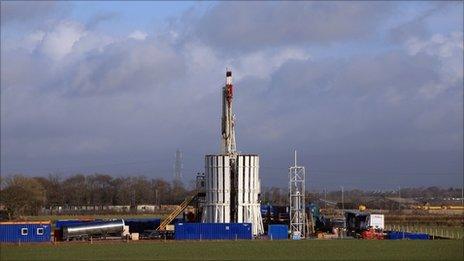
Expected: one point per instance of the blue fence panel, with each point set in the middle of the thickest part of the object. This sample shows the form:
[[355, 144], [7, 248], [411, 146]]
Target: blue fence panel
[[278, 232], [241, 231], [394, 235]]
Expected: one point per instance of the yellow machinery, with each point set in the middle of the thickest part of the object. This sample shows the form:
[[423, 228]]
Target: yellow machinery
[[175, 213]]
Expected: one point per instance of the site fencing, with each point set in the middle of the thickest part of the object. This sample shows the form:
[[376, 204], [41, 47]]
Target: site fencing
[[434, 232]]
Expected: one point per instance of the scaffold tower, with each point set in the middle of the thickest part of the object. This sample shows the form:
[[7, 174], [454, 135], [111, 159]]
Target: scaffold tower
[[297, 200]]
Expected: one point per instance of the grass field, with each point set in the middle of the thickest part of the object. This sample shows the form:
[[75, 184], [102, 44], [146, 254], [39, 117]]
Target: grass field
[[241, 250]]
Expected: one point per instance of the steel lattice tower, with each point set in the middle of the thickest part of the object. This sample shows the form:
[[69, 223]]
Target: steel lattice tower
[[296, 176], [178, 165]]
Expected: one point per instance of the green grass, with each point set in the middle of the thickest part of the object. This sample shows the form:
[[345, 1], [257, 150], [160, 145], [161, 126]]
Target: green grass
[[242, 250]]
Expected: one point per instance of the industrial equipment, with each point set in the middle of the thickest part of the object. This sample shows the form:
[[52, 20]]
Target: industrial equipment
[[372, 233], [356, 223], [175, 213], [364, 225], [94, 229], [232, 184], [376, 221]]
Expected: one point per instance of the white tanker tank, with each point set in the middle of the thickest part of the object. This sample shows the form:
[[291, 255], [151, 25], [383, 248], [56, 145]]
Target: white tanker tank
[[95, 229]]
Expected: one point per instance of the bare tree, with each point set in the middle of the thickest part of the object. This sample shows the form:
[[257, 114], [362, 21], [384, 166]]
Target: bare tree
[[22, 196]]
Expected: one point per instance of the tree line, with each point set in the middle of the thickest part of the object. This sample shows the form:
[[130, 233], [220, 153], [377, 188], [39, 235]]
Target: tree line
[[21, 195]]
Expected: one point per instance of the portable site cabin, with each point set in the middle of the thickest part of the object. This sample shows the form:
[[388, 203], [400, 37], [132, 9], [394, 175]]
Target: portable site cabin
[[25, 231]]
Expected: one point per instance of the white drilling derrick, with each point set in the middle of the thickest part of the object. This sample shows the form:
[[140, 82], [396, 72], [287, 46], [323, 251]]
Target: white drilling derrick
[[232, 183], [296, 176]]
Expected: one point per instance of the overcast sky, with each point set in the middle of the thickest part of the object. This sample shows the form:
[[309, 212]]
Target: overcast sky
[[369, 93]]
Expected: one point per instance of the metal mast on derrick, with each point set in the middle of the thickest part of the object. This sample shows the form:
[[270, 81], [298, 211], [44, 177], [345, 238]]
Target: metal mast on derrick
[[228, 146]]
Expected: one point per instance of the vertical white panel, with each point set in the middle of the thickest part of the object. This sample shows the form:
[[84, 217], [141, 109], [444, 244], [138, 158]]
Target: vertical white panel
[[226, 189], [258, 181], [248, 189], [253, 184], [258, 219], [220, 172], [256, 186], [217, 178], [246, 181], [227, 180], [214, 180], [252, 179], [240, 189], [220, 179], [211, 190]]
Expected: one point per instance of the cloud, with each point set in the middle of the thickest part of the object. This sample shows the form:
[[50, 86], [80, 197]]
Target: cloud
[[264, 63], [257, 25], [75, 95], [138, 35], [25, 12], [59, 42], [448, 49], [128, 65], [418, 26], [100, 18], [371, 106]]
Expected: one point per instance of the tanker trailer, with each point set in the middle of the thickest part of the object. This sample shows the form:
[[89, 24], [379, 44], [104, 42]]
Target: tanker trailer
[[94, 229]]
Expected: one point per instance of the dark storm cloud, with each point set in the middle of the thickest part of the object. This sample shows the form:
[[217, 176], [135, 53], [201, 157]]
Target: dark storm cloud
[[101, 18], [417, 27], [254, 25], [23, 12]]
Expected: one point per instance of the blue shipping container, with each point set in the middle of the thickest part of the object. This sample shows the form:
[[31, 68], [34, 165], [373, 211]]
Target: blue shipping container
[[212, 231], [13, 232], [278, 232], [406, 235], [138, 225]]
